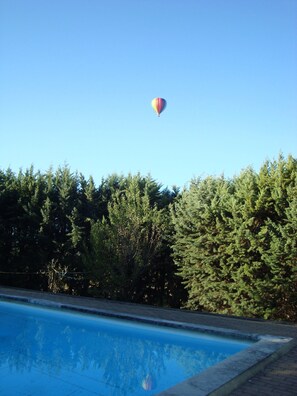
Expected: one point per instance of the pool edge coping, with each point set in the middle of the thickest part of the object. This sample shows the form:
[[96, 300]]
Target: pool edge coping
[[225, 376]]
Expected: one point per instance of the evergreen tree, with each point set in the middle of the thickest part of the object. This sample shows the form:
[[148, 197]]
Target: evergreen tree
[[9, 214], [201, 237], [235, 242], [125, 244]]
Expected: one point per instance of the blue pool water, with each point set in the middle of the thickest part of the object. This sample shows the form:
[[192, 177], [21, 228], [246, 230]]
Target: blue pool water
[[48, 352]]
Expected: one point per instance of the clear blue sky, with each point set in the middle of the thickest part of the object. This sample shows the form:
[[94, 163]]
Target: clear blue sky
[[77, 78]]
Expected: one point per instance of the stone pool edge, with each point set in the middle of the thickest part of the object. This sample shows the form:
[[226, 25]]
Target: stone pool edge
[[218, 380]]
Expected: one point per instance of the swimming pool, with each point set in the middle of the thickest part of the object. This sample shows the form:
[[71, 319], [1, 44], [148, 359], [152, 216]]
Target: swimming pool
[[45, 351]]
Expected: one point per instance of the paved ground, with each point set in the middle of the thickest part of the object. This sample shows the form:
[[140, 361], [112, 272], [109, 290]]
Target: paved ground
[[278, 378]]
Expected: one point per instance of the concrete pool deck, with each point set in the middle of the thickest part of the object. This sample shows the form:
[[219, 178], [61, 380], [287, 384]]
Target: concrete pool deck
[[272, 370]]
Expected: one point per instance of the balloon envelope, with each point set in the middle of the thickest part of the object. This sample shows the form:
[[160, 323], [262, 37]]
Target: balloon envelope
[[148, 383], [159, 105]]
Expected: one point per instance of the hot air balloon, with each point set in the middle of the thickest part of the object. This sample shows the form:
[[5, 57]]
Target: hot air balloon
[[148, 383], [158, 105]]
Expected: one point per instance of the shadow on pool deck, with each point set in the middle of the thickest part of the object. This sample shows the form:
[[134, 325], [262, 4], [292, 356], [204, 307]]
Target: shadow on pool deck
[[277, 375]]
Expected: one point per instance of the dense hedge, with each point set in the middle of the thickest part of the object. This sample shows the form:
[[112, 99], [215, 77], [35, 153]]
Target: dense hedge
[[60, 232], [221, 245], [235, 242]]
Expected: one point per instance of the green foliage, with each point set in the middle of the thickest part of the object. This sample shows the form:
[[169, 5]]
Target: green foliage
[[59, 232], [222, 245], [235, 242], [126, 244], [42, 228]]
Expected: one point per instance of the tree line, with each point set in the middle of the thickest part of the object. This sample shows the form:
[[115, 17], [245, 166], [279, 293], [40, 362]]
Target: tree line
[[226, 245]]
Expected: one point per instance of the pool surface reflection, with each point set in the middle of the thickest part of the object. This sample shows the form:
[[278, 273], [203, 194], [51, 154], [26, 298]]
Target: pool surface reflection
[[48, 351]]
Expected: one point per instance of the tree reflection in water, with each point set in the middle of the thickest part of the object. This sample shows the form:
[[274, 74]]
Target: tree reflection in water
[[120, 359]]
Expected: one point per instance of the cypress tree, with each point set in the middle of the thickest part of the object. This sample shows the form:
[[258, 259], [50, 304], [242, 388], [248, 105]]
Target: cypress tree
[[125, 244], [235, 242]]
